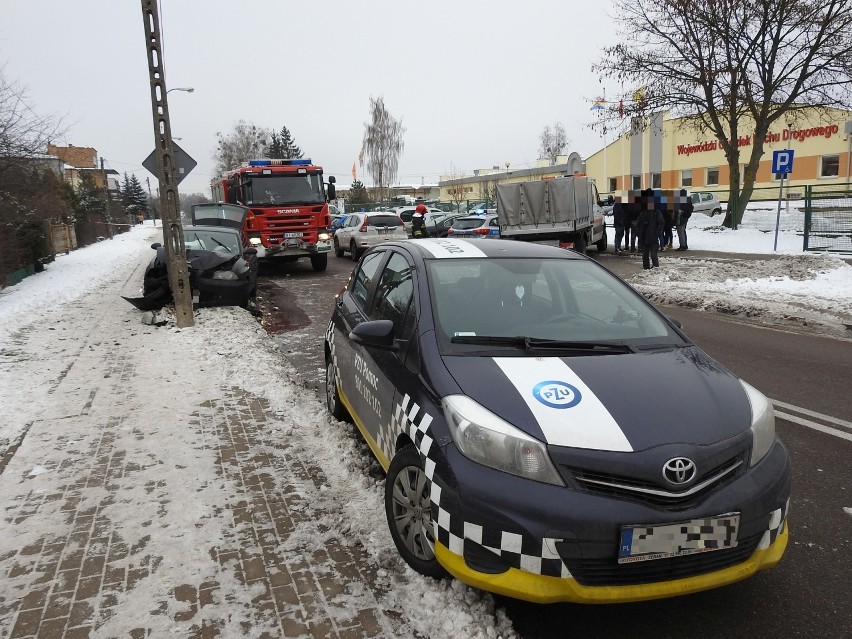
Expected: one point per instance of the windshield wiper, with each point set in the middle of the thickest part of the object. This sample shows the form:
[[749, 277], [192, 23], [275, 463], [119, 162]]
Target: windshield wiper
[[533, 343]]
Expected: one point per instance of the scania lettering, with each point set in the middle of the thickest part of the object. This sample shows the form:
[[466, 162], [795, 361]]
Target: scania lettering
[[289, 216]]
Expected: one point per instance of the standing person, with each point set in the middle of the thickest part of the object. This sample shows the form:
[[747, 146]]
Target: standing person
[[633, 210], [418, 224], [684, 212], [650, 225], [620, 221], [669, 210]]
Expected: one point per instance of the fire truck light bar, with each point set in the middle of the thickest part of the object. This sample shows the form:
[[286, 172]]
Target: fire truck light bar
[[297, 162]]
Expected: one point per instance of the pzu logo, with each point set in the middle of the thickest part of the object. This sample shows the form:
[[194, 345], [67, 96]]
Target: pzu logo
[[556, 394]]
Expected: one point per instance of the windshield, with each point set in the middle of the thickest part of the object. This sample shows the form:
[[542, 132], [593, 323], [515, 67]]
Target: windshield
[[219, 241], [382, 220], [548, 299], [284, 190]]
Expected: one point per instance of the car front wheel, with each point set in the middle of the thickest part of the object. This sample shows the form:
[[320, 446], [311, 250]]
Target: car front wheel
[[409, 512], [353, 250], [337, 250]]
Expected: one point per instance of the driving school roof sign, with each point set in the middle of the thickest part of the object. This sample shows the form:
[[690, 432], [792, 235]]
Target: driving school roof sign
[[183, 163]]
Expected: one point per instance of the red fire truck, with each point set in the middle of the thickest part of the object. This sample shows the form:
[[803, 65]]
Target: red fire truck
[[289, 213]]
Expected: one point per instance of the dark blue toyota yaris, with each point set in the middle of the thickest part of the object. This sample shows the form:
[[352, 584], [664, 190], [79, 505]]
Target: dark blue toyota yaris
[[547, 434]]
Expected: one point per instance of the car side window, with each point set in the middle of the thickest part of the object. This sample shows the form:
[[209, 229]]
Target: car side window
[[394, 294], [364, 279]]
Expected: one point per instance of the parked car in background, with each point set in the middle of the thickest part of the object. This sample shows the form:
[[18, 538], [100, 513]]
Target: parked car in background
[[222, 263], [439, 225], [484, 226], [705, 202], [366, 230], [337, 221], [407, 212]]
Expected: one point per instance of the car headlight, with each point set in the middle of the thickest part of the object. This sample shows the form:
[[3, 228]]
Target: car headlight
[[225, 275], [485, 438], [762, 423], [255, 241], [324, 237]]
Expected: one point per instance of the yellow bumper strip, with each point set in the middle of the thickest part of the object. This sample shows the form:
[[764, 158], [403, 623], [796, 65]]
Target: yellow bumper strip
[[541, 589]]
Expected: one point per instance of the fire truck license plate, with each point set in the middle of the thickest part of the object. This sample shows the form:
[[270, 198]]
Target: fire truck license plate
[[288, 236]]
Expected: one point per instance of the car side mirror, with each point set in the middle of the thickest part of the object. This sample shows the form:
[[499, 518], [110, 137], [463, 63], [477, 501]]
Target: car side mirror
[[156, 245], [250, 251], [376, 333]]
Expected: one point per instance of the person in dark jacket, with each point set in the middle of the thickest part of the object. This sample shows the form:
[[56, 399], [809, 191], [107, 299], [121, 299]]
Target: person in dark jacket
[[620, 222], [649, 226], [418, 224], [634, 207], [684, 212]]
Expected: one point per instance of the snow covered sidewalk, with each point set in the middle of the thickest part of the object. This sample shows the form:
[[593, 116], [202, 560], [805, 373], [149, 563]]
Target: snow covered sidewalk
[[158, 481]]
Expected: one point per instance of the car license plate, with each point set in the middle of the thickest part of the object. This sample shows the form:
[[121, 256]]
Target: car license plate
[[288, 236], [383, 231], [659, 541]]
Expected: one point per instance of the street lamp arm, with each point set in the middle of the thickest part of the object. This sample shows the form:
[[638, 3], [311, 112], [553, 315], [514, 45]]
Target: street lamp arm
[[186, 89]]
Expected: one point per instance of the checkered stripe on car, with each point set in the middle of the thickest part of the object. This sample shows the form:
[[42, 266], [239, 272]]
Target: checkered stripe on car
[[409, 418], [329, 337], [536, 556], [777, 518]]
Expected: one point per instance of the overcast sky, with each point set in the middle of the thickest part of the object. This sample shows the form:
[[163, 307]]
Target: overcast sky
[[473, 81]]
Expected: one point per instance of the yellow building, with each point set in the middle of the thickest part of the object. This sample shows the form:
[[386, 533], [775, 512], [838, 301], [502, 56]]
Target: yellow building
[[670, 154]]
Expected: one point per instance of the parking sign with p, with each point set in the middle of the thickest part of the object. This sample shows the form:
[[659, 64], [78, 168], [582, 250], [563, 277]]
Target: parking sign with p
[[782, 161]]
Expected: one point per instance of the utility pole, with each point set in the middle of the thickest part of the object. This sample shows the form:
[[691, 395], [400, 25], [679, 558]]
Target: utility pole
[[107, 211], [166, 170]]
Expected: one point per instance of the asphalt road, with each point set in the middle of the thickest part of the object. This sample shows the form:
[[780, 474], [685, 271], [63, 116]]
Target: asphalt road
[[809, 594]]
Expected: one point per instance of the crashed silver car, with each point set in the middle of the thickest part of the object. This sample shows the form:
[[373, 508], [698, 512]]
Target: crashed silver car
[[222, 264]]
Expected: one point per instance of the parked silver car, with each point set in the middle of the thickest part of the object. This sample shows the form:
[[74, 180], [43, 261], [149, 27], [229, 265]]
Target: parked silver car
[[705, 202], [366, 230]]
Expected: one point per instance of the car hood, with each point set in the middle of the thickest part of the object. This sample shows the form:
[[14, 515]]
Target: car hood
[[610, 402], [205, 260]]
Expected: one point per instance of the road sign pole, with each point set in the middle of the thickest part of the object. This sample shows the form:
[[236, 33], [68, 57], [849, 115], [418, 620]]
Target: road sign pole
[[169, 199], [782, 162]]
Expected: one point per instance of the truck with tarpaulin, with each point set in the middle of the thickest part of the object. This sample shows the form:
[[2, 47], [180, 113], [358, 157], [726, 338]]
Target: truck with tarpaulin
[[565, 211], [288, 201]]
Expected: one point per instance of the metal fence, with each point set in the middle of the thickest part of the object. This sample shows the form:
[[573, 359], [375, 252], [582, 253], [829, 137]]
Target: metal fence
[[828, 218], [450, 207]]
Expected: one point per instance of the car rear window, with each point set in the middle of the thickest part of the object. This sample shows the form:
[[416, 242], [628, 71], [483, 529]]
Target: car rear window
[[383, 220], [468, 223]]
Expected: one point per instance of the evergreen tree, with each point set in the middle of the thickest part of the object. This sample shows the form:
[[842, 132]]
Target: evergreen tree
[[283, 146], [90, 197], [133, 197], [358, 193], [138, 196]]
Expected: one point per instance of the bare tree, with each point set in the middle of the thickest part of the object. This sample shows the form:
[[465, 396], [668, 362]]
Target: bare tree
[[553, 142], [245, 142], [31, 192], [488, 192], [457, 195], [729, 65], [382, 146], [24, 134]]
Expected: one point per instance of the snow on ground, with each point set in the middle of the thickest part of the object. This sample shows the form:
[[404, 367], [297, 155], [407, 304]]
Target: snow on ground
[[789, 288], [51, 319]]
